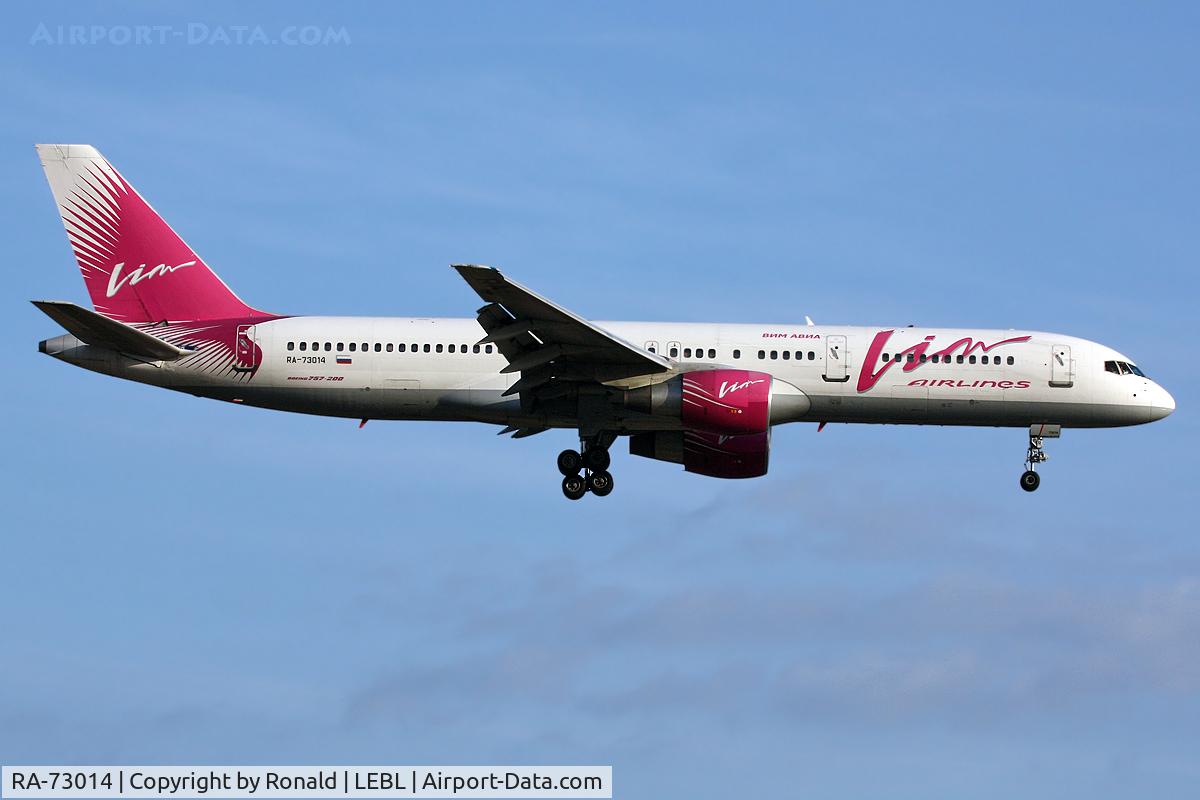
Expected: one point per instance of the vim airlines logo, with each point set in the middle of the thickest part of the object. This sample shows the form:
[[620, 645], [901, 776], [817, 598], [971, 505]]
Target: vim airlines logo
[[870, 374], [116, 283], [729, 388]]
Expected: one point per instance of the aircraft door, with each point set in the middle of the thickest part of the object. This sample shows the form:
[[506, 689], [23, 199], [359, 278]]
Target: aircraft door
[[245, 350], [1062, 368], [837, 360]]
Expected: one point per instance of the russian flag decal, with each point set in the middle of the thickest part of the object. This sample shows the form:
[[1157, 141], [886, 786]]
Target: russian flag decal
[[344, 360]]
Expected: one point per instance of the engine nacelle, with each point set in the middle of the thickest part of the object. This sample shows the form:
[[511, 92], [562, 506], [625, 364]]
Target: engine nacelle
[[733, 402], [713, 454], [726, 416]]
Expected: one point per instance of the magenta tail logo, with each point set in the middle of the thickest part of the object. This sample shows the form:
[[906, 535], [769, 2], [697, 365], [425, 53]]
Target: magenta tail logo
[[116, 283], [872, 370]]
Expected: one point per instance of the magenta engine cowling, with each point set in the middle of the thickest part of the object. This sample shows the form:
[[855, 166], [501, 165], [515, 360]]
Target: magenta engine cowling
[[726, 416], [732, 402]]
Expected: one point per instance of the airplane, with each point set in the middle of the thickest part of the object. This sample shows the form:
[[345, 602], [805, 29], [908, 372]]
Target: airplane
[[705, 396]]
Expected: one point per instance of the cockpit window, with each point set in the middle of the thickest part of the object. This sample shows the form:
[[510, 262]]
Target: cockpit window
[[1122, 368]]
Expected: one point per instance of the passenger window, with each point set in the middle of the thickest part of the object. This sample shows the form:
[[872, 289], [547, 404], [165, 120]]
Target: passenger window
[[959, 359], [451, 348], [787, 355], [737, 353], [328, 345], [426, 348], [379, 347], [687, 352], [389, 347], [353, 346], [762, 354], [1011, 361], [316, 345], [812, 355], [291, 345], [438, 348], [971, 359], [674, 352], [712, 353], [897, 358], [400, 348], [911, 358], [774, 354], [487, 348], [924, 358], [341, 346], [475, 348], [983, 359], [304, 346], [886, 357]]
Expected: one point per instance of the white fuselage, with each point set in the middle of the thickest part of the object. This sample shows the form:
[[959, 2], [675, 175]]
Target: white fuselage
[[422, 368]]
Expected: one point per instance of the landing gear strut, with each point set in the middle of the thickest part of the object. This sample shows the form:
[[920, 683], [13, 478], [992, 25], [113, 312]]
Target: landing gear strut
[[594, 461], [1030, 480]]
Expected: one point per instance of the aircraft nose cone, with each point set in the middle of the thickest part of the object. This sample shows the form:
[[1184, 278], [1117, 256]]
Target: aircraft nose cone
[[1162, 405]]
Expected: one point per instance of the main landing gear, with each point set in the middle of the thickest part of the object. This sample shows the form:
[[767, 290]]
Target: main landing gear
[[1030, 480], [594, 461]]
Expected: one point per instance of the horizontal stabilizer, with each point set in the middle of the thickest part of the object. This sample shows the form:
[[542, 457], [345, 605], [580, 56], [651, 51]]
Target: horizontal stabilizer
[[100, 331]]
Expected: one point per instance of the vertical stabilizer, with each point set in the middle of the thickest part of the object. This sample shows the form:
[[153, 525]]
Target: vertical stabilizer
[[136, 268]]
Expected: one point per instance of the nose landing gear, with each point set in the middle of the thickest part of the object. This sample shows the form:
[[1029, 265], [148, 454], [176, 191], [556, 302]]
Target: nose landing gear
[[1030, 480], [594, 461]]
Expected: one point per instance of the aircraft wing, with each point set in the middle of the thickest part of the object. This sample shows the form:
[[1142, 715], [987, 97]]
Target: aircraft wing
[[545, 342], [100, 331]]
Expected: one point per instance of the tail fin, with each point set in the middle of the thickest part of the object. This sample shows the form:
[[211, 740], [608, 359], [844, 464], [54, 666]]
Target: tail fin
[[136, 268]]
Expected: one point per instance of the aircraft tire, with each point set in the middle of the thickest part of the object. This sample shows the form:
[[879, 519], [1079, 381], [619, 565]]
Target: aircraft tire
[[574, 487], [569, 463], [600, 483]]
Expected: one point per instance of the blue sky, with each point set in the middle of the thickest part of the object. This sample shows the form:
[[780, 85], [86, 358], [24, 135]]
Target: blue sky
[[884, 613]]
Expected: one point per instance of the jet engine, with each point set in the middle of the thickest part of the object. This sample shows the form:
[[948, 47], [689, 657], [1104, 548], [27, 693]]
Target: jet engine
[[725, 415], [725, 401]]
